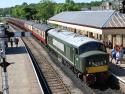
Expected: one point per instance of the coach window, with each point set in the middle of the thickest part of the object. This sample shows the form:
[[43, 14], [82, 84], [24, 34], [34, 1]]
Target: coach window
[[35, 30], [28, 26], [39, 32], [44, 35]]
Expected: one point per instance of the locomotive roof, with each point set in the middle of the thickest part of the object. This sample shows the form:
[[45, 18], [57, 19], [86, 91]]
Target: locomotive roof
[[42, 27], [70, 37]]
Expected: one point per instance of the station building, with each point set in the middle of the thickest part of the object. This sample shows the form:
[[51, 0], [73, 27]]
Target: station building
[[104, 25]]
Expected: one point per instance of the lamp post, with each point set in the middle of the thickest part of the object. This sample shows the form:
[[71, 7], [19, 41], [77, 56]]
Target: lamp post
[[3, 63]]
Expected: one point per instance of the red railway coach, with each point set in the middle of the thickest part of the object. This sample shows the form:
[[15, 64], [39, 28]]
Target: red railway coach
[[16, 22], [40, 31], [37, 29]]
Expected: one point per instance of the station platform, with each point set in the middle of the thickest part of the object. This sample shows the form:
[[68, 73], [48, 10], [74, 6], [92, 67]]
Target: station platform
[[21, 75]]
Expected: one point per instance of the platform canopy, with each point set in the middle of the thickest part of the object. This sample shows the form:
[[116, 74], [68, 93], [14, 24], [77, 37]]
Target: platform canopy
[[101, 22]]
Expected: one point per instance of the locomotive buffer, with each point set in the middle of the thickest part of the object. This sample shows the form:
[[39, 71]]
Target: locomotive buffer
[[4, 34]]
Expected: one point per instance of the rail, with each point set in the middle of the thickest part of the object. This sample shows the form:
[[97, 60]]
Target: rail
[[42, 80]]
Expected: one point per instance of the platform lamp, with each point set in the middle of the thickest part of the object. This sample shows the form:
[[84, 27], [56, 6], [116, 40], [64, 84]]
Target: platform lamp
[[3, 63]]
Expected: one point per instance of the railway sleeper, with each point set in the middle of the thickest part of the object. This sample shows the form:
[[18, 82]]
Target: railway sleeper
[[57, 87], [52, 81], [52, 76], [60, 91], [56, 84]]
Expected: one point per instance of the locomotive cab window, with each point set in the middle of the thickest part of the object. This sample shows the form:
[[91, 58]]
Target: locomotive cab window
[[92, 46]]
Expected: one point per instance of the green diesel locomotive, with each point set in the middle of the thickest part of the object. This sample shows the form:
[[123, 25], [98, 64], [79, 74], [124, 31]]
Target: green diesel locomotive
[[87, 56]]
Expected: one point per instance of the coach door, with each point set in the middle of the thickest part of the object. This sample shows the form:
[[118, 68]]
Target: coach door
[[76, 59]]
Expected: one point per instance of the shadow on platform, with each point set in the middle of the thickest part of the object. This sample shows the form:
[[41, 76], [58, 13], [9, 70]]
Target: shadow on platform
[[16, 50]]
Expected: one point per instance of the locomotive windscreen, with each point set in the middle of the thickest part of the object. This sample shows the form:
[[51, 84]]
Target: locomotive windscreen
[[92, 46]]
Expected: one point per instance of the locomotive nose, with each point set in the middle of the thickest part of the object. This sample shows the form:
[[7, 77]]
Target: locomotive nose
[[95, 61]]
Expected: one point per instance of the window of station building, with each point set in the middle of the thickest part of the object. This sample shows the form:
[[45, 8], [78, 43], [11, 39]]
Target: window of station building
[[100, 36], [65, 28]]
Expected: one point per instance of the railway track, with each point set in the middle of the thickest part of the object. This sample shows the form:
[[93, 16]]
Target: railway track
[[96, 89], [53, 79], [57, 86]]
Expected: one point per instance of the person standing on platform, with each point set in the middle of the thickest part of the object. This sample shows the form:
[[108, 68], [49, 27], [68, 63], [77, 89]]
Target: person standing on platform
[[113, 53], [119, 55], [16, 42], [11, 42], [6, 44]]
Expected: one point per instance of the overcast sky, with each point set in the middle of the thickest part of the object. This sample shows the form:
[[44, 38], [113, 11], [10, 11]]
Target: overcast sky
[[10, 3]]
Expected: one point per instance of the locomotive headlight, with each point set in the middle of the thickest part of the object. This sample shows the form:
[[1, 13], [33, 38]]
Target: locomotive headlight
[[105, 62], [90, 63], [101, 63], [77, 59]]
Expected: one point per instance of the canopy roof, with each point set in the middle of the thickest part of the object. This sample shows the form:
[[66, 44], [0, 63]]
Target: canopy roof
[[95, 19]]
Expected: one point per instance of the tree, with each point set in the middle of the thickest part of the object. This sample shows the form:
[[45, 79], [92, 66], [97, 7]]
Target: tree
[[46, 10], [24, 4], [69, 1], [29, 13], [45, 1], [66, 7]]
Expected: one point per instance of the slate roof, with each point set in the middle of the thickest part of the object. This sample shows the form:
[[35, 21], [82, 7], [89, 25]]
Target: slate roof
[[42, 27], [96, 19], [116, 21]]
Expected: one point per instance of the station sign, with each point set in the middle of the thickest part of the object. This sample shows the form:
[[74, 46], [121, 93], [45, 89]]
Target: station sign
[[2, 32]]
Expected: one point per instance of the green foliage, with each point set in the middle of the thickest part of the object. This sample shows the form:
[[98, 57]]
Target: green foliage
[[29, 12], [69, 1], [45, 9], [66, 7]]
